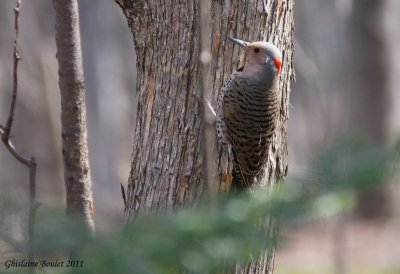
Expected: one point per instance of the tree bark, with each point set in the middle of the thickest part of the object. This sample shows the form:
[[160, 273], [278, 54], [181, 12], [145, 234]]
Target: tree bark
[[73, 113], [167, 160]]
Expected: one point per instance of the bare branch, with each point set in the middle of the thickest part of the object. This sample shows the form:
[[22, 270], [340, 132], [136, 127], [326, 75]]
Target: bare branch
[[16, 57], [123, 193], [208, 128], [30, 163]]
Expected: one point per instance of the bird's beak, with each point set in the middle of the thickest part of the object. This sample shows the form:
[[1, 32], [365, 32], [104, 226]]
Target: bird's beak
[[240, 43]]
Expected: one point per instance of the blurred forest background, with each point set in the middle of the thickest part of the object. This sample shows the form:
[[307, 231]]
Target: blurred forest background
[[347, 62]]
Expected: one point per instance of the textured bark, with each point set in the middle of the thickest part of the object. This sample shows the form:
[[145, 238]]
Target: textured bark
[[167, 160], [73, 113]]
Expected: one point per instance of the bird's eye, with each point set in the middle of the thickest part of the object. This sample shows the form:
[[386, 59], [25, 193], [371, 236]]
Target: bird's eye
[[256, 50]]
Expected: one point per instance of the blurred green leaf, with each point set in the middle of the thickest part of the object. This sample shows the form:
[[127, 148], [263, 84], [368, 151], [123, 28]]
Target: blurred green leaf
[[209, 239]]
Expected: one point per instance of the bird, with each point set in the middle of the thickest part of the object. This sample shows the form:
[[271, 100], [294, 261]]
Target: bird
[[248, 109]]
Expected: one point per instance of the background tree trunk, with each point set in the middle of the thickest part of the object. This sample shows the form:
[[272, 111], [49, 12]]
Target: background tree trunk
[[167, 159], [369, 91], [342, 60], [73, 112]]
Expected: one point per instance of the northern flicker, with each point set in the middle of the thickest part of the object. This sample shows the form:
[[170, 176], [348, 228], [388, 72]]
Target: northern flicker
[[248, 109]]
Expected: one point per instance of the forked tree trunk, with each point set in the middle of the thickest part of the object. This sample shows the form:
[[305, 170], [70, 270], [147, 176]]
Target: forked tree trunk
[[167, 160]]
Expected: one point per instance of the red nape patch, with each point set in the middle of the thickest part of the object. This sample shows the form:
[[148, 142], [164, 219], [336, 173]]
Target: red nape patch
[[278, 64]]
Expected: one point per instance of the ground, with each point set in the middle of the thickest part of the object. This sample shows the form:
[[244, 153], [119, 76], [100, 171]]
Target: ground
[[364, 247]]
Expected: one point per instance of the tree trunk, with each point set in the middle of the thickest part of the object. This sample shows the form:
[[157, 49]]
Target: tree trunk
[[73, 113], [369, 96], [167, 160]]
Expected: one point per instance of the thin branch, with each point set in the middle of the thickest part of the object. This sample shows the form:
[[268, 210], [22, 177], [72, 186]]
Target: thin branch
[[30, 163], [123, 196], [16, 57], [209, 135], [11, 148]]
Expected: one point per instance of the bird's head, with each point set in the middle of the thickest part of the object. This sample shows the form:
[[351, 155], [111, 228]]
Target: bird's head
[[261, 53]]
